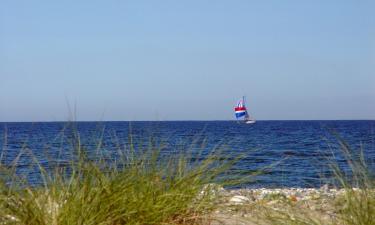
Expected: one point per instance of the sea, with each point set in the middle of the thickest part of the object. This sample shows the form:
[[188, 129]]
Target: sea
[[289, 153]]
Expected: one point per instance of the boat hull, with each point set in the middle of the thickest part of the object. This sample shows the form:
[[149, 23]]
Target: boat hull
[[250, 121]]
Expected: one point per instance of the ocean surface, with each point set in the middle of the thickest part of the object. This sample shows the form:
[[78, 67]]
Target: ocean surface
[[292, 153]]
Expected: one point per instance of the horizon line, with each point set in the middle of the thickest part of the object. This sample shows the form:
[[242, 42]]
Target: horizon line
[[223, 120]]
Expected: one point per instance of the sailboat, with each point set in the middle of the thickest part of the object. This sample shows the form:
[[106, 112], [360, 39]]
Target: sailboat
[[241, 111]]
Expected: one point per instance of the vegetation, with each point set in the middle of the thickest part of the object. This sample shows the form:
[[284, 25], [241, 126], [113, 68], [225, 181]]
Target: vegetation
[[358, 203], [141, 187], [353, 203], [147, 187]]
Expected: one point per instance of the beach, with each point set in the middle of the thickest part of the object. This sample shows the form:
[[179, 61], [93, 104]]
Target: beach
[[261, 206], [264, 205]]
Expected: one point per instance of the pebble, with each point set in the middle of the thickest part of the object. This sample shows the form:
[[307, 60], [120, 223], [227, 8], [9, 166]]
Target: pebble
[[239, 199]]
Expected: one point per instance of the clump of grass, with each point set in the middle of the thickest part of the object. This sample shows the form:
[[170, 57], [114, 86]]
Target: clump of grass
[[355, 206], [358, 203], [140, 188]]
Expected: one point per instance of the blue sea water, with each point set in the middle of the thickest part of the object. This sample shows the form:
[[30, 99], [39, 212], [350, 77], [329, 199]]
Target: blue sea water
[[293, 153]]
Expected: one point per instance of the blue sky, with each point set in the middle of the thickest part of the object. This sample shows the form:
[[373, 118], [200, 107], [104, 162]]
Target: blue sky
[[186, 60]]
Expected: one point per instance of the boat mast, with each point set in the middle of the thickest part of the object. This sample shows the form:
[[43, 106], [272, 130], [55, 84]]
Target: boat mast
[[246, 113]]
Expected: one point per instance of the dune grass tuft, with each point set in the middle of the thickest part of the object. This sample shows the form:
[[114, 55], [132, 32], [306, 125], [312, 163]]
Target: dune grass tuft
[[353, 205], [357, 206], [141, 187]]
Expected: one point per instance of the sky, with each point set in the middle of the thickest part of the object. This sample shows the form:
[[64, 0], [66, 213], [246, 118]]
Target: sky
[[186, 60]]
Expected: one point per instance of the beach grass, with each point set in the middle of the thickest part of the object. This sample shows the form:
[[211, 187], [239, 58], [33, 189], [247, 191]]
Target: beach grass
[[141, 187], [352, 204], [145, 186], [358, 202]]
